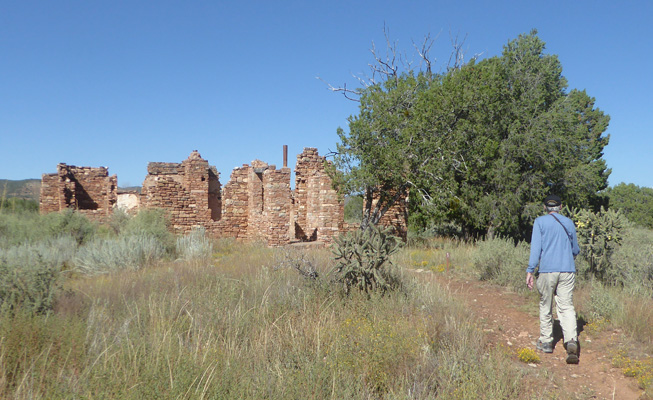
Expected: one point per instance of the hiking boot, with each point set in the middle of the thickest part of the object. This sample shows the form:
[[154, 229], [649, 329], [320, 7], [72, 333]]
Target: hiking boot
[[572, 352], [544, 347]]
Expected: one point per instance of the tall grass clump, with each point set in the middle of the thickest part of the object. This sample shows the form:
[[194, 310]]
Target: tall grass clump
[[603, 305], [501, 261]]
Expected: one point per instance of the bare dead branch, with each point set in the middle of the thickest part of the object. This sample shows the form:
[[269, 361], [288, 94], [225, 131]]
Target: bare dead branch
[[346, 92], [457, 54], [424, 50]]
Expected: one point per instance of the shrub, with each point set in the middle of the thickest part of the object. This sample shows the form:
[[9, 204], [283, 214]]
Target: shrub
[[16, 205], [29, 274], [125, 252], [30, 288], [118, 221], [69, 222], [603, 304], [151, 222], [500, 260], [636, 203], [20, 228], [633, 260], [194, 246], [57, 253], [528, 355], [363, 260]]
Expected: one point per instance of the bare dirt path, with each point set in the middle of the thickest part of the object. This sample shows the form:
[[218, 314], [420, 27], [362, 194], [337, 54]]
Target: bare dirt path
[[509, 321]]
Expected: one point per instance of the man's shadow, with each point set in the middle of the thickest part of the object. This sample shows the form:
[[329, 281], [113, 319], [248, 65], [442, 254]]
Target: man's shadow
[[557, 331]]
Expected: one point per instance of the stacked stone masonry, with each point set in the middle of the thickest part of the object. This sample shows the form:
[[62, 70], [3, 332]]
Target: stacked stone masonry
[[397, 217], [91, 191], [257, 204]]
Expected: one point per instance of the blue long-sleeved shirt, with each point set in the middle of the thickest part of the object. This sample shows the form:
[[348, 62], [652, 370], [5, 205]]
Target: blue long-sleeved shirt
[[550, 245]]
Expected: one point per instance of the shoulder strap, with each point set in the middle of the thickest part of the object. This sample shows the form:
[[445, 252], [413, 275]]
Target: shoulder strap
[[563, 227]]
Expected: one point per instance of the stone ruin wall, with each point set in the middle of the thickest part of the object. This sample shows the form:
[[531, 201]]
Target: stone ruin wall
[[90, 191], [257, 204], [319, 213], [397, 217], [183, 190]]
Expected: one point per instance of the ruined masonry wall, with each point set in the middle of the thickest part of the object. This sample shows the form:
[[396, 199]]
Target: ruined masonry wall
[[256, 204], [318, 213], [182, 190], [397, 217], [277, 206], [90, 191], [235, 206], [51, 194]]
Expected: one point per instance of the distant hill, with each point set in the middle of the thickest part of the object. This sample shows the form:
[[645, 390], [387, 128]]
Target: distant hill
[[24, 189], [30, 189]]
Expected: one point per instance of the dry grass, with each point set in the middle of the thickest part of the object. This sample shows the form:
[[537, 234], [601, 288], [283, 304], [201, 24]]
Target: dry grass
[[244, 325]]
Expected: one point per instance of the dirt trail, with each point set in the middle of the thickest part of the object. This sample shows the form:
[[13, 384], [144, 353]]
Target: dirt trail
[[506, 321]]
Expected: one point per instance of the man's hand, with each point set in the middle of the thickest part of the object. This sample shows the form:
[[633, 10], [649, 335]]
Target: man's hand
[[530, 280]]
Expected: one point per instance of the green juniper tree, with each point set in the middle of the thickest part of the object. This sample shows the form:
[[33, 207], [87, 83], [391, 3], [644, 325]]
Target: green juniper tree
[[478, 145], [635, 202]]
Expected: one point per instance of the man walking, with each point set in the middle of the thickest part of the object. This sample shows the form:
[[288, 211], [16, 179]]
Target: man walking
[[554, 247]]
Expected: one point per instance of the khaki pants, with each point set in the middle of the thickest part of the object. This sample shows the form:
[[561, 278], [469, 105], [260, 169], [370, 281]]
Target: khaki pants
[[558, 286]]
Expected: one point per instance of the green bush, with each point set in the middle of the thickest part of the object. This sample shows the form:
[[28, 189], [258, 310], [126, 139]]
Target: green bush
[[68, 223], [29, 277], [16, 205], [112, 254], [151, 222], [636, 203], [633, 261], [29, 227], [500, 260], [363, 260], [118, 221], [603, 303], [29, 273]]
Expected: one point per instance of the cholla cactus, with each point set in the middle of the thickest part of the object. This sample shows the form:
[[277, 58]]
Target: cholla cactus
[[363, 260], [599, 235]]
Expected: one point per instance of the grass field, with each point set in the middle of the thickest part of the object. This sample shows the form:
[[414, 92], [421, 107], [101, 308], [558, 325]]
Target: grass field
[[229, 320]]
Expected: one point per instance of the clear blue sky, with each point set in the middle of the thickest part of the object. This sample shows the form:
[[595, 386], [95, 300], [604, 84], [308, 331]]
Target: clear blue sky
[[122, 83]]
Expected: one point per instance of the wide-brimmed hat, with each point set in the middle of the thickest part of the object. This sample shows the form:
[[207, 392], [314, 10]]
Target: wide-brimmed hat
[[552, 201]]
